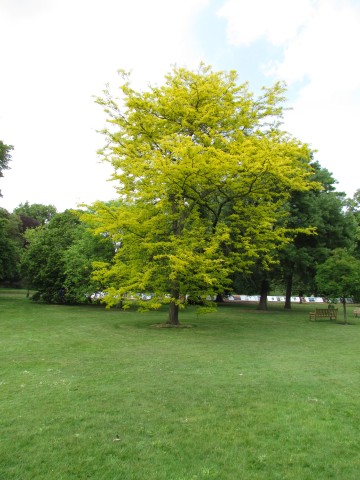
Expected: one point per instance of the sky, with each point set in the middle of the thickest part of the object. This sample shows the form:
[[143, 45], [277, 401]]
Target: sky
[[57, 55]]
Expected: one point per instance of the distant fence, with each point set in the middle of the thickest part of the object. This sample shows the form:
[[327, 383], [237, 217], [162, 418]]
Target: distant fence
[[276, 298]]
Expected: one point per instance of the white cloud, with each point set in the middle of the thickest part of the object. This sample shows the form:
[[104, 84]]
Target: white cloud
[[326, 50], [23, 8], [320, 42], [276, 21]]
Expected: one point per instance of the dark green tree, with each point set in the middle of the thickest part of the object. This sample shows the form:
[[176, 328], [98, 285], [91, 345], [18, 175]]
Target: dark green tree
[[5, 158], [318, 224], [12, 239], [86, 249], [10, 248], [353, 208], [43, 261], [333, 228], [339, 277], [57, 261], [36, 212]]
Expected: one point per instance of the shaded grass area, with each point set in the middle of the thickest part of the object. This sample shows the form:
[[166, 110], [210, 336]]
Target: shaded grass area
[[87, 393]]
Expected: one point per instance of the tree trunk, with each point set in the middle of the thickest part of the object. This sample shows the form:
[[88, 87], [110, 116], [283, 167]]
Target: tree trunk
[[344, 309], [289, 281], [173, 318], [219, 298], [177, 229], [263, 295]]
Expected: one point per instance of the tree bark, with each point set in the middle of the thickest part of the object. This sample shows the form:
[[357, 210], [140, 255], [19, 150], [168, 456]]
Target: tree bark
[[263, 295], [173, 318], [344, 309], [219, 298], [289, 281]]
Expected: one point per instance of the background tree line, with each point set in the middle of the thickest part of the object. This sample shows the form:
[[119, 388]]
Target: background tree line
[[55, 253], [50, 252]]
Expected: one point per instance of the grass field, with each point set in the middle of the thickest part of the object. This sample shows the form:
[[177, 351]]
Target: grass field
[[87, 393]]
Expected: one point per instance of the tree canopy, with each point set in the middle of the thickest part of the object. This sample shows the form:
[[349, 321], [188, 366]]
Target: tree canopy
[[202, 170], [35, 213], [43, 263], [333, 228], [339, 276], [58, 256], [10, 248]]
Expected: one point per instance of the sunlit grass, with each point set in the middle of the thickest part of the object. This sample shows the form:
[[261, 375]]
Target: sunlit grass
[[87, 393]]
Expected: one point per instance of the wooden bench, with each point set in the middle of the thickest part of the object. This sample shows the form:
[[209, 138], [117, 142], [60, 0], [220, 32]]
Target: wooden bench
[[356, 311], [321, 313]]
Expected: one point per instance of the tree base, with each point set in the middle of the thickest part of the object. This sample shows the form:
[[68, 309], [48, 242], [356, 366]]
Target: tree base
[[170, 325]]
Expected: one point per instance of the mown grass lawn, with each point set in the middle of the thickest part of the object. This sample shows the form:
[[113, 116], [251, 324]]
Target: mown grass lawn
[[87, 393]]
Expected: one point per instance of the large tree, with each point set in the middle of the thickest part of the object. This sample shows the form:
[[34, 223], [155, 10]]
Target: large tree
[[13, 239], [43, 261], [58, 257], [322, 209], [320, 224], [203, 170]]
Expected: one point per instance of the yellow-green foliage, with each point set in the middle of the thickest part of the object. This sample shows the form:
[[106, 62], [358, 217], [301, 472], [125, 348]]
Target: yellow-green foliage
[[203, 172]]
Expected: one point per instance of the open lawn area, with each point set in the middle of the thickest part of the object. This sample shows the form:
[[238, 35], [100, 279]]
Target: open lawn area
[[88, 393]]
